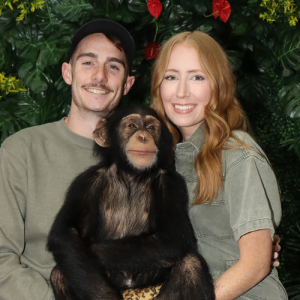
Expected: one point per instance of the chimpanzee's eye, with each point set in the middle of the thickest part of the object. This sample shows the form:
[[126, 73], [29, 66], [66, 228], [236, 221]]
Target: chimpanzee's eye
[[131, 125], [151, 127]]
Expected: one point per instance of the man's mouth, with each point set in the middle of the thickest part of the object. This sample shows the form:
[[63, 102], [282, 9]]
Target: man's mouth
[[97, 91]]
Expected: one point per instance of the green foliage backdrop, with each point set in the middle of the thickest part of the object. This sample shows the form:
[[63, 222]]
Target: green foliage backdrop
[[261, 38]]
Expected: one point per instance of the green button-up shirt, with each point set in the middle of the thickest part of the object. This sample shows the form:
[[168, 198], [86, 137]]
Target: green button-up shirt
[[249, 201]]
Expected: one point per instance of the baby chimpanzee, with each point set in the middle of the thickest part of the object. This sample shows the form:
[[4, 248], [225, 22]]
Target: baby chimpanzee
[[124, 223]]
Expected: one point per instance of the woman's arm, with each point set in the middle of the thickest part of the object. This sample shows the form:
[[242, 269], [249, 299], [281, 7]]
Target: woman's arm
[[253, 265]]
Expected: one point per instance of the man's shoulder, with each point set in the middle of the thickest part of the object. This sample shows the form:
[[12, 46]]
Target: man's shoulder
[[31, 134]]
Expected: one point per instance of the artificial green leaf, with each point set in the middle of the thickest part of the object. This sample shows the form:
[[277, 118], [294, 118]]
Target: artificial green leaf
[[72, 10], [293, 288], [262, 29], [48, 108], [290, 95], [201, 7], [289, 53], [10, 122], [206, 27], [176, 18], [265, 58], [47, 19], [26, 40], [7, 20], [137, 6], [108, 5], [240, 29], [5, 56], [33, 77], [235, 58], [123, 15], [254, 87], [24, 69], [52, 50]]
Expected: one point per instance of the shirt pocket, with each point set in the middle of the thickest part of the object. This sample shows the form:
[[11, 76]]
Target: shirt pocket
[[270, 288]]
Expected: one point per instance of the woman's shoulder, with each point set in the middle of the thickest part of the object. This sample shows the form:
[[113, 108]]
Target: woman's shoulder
[[241, 148]]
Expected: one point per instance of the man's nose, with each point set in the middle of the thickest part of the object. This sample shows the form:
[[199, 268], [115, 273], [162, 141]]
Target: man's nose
[[99, 74]]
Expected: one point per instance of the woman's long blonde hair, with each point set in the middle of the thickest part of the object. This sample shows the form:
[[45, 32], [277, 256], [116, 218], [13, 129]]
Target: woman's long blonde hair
[[223, 113]]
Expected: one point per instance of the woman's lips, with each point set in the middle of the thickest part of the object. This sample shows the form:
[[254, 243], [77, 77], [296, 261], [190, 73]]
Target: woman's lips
[[183, 109]]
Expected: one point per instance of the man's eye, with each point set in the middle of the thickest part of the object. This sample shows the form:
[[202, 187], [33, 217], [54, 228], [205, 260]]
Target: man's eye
[[87, 63], [113, 67]]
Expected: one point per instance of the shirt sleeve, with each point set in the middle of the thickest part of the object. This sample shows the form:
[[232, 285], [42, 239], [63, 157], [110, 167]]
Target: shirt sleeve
[[17, 280], [252, 196]]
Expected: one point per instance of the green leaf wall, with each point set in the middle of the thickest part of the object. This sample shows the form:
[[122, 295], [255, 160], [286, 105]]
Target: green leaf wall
[[265, 58]]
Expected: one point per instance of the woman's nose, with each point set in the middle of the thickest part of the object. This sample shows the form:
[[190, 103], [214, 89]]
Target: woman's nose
[[183, 90]]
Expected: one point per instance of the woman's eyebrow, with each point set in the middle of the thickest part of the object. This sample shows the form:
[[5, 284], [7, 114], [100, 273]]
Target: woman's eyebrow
[[189, 71]]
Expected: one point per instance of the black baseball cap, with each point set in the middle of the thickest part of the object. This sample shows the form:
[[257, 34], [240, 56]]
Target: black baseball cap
[[107, 27]]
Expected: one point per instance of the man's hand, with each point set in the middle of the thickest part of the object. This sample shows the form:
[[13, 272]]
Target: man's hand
[[275, 249]]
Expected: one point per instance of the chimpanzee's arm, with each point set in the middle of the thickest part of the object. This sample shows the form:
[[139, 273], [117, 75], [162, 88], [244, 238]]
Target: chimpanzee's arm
[[173, 237], [67, 242]]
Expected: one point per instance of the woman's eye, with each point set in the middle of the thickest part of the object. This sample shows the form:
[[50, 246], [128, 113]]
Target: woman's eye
[[170, 77], [198, 77]]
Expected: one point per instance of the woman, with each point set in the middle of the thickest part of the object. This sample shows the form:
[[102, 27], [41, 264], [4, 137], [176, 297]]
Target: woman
[[235, 204]]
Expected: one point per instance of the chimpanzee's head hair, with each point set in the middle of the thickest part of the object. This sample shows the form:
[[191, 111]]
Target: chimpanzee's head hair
[[115, 152]]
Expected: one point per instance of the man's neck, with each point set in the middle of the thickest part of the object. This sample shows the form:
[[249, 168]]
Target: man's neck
[[83, 124]]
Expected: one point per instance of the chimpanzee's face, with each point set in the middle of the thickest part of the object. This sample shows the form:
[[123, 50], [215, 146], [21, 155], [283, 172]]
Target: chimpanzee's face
[[139, 136]]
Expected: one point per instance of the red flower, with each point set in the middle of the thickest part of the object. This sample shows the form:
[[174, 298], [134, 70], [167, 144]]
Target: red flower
[[222, 9], [154, 7], [152, 50]]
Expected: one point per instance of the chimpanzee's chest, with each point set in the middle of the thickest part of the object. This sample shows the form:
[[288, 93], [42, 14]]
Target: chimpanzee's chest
[[125, 212]]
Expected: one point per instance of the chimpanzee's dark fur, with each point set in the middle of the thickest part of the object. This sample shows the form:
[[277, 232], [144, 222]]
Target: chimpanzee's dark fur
[[121, 228]]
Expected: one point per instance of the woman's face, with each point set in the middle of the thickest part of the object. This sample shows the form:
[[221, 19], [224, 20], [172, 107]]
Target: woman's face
[[185, 90]]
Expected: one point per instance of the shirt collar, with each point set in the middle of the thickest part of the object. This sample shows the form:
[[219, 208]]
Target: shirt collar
[[197, 138], [73, 137]]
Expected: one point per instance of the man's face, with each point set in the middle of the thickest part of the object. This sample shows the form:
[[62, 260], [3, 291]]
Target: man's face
[[97, 74]]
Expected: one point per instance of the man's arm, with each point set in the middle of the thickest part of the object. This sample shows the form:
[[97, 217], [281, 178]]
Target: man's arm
[[17, 280]]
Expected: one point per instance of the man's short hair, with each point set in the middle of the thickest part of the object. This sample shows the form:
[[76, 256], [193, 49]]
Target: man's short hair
[[115, 32]]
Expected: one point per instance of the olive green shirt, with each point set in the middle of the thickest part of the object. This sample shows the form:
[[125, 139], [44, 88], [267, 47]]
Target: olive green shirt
[[37, 166], [249, 201]]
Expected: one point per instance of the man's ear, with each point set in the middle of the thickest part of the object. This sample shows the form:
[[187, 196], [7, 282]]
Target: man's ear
[[128, 84], [66, 70], [101, 134]]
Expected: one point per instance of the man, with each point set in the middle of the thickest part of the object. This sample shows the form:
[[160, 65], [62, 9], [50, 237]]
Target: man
[[38, 164]]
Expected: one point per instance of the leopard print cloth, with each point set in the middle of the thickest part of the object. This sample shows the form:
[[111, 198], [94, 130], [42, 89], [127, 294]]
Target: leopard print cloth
[[143, 294]]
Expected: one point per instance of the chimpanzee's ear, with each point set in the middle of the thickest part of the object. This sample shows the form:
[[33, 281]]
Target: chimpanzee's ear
[[100, 134]]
